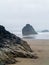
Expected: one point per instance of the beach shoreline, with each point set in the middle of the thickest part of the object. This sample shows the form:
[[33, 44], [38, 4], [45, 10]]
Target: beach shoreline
[[41, 48]]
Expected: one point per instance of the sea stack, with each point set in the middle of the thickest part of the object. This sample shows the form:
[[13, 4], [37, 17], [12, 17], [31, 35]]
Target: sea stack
[[45, 30], [28, 29]]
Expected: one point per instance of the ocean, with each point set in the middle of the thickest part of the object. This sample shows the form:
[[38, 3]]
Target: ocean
[[40, 35]]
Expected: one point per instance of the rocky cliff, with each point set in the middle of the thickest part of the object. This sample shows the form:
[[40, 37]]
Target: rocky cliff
[[12, 47]]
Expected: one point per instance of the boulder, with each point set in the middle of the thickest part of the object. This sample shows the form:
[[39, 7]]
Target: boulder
[[28, 29]]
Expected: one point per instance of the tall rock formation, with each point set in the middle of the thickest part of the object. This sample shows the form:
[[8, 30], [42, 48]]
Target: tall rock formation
[[28, 29]]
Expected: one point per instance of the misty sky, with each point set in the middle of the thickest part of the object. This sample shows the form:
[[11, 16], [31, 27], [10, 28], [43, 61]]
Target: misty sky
[[14, 14]]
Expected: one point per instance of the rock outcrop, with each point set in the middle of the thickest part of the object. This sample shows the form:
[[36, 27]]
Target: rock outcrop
[[12, 47], [45, 30], [28, 29]]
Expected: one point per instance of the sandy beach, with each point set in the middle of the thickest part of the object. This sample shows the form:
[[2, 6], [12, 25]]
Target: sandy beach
[[41, 48]]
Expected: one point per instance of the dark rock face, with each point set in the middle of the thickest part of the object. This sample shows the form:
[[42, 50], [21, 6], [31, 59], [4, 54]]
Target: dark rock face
[[12, 46], [28, 29]]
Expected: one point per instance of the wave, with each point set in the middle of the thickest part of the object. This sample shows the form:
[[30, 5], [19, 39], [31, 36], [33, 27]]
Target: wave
[[40, 35]]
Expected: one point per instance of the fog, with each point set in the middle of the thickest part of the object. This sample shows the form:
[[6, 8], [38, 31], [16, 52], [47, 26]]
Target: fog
[[14, 14]]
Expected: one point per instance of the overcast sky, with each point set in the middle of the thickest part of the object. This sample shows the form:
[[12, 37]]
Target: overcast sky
[[14, 14]]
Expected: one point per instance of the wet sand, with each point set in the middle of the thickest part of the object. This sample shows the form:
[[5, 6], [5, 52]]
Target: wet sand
[[41, 48]]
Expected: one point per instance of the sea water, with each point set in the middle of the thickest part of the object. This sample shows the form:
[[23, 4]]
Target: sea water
[[40, 35]]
